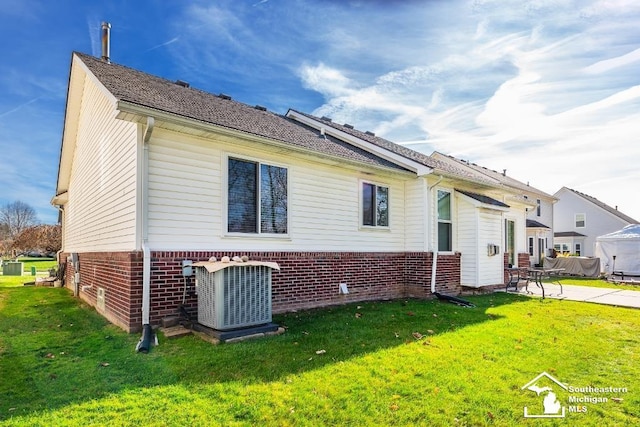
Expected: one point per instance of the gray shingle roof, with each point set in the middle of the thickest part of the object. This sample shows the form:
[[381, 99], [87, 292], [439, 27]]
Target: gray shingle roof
[[531, 223], [439, 166], [146, 90], [483, 199], [501, 177], [568, 234]]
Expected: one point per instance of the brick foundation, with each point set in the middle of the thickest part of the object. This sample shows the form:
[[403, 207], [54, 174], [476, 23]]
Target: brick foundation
[[305, 280]]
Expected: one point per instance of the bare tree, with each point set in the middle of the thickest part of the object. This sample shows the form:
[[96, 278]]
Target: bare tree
[[15, 217], [44, 238]]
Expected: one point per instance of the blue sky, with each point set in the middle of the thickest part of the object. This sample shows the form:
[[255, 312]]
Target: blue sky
[[549, 90]]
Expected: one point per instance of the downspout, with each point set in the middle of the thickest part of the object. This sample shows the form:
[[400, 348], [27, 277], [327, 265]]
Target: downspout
[[147, 332], [60, 209], [434, 264]]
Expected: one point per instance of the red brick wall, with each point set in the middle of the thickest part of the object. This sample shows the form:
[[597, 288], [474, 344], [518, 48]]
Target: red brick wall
[[120, 275], [305, 279]]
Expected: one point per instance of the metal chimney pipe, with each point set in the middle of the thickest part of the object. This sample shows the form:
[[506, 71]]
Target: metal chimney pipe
[[106, 42]]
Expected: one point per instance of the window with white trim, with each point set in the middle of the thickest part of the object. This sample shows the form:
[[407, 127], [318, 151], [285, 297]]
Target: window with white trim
[[375, 205], [578, 250], [445, 224], [538, 207], [581, 220], [257, 198], [510, 240]]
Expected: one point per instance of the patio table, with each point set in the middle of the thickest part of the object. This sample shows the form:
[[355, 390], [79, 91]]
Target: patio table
[[536, 275]]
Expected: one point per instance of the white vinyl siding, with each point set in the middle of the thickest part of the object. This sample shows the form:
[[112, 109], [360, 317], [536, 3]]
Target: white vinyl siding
[[184, 201], [597, 221], [477, 228], [101, 213], [187, 200], [490, 232], [416, 214], [467, 226]]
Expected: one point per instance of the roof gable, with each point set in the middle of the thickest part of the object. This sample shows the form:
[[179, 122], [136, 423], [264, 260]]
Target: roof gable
[[598, 203]]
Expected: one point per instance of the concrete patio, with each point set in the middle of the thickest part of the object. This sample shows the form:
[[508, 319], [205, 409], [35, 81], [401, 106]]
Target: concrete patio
[[608, 296]]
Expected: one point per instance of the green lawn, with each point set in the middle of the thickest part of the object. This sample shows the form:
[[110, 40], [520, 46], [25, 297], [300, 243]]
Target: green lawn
[[385, 363], [42, 266]]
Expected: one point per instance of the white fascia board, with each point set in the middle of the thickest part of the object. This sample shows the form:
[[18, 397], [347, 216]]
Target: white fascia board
[[141, 112], [412, 165]]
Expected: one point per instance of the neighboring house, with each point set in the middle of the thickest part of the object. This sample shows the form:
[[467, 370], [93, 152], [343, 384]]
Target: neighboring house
[[153, 172], [578, 219]]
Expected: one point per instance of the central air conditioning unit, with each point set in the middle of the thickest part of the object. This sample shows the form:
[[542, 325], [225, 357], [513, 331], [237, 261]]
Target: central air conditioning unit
[[235, 297]]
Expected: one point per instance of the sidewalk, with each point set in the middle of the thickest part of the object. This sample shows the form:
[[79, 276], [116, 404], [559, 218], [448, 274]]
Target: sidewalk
[[608, 296]]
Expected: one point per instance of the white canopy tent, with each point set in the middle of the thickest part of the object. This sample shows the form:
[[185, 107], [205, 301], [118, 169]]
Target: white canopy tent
[[620, 251]]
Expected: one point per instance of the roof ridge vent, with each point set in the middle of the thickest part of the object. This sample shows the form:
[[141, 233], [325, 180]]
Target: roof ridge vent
[[224, 96], [348, 126], [182, 83], [325, 118], [260, 107], [370, 133]]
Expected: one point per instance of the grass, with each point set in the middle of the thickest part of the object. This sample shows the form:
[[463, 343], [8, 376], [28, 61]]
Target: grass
[[12, 281], [42, 266], [386, 363]]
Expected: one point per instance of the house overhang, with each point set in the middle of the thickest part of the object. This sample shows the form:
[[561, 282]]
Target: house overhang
[[60, 199], [535, 224], [482, 201], [568, 234]]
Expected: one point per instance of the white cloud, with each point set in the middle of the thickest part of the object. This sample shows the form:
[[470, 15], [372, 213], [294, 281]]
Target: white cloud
[[534, 87], [326, 80]]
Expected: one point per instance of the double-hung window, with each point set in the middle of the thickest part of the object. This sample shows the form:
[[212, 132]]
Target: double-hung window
[[445, 225], [580, 220], [375, 205], [257, 198]]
